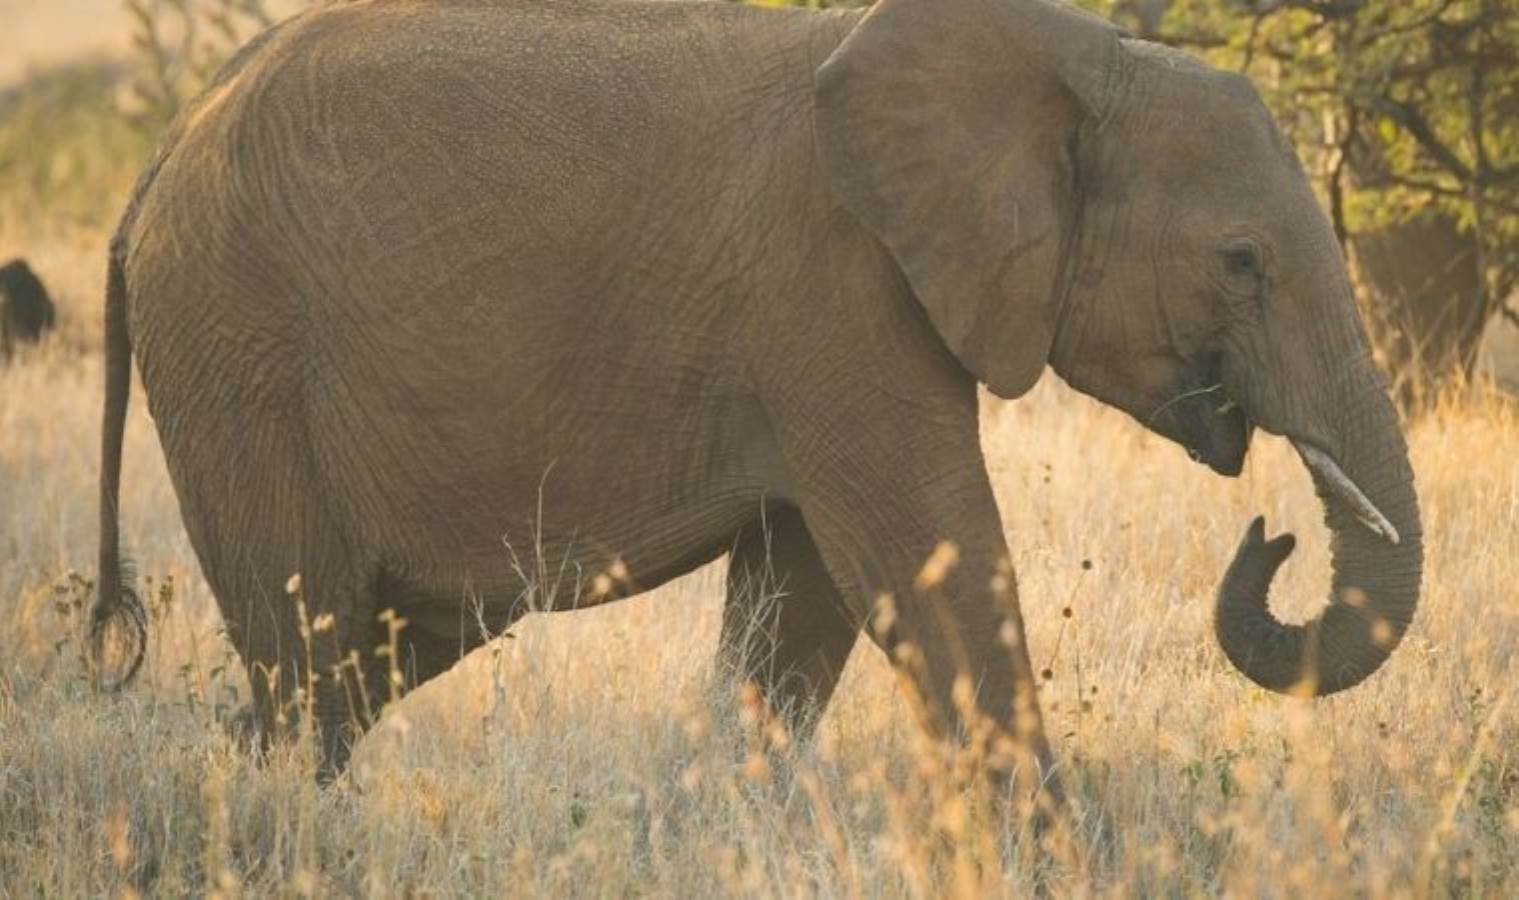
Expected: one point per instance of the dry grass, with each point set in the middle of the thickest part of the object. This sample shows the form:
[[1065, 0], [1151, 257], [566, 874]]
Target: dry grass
[[597, 753]]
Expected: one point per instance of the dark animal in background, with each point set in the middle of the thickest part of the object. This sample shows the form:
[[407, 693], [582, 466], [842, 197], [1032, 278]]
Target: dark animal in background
[[26, 310]]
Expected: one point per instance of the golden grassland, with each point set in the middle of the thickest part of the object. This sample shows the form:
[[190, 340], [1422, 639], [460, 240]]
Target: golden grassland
[[599, 753]]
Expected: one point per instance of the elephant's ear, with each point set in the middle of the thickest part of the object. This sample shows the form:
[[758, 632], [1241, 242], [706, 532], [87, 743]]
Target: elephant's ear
[[947, 128]]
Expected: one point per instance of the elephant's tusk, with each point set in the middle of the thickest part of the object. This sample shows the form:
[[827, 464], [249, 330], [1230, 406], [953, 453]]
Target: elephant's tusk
[[1364, 509]]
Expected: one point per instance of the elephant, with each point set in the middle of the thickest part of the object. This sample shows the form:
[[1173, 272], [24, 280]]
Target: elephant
[[26, 310], [460, 310]]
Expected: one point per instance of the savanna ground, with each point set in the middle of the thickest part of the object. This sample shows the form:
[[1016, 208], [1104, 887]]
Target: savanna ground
[[601, 753]]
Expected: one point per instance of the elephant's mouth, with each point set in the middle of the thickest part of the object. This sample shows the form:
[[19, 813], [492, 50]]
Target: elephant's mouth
[[1221, 437], [1203, 418]]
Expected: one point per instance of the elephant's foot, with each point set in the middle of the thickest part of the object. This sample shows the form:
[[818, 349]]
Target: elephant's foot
[[248, 731]]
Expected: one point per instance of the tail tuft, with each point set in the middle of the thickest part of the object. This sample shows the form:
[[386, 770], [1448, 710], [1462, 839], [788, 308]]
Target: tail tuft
[[118, 631]]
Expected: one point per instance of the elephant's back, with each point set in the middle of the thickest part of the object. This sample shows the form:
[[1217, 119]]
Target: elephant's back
[[465, 186], [493, 92], [385, 145]]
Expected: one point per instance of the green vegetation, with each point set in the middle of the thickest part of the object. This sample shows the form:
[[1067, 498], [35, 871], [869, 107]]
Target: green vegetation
[[64, 151]]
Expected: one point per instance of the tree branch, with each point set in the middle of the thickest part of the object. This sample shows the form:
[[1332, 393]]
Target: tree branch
[[1419, 24], [1324, 9], [1439, 190], [1337, 177], [1183, 39], [1419, 128]]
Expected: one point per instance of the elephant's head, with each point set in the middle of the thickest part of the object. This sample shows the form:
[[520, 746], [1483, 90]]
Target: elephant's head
[[1057, 194]]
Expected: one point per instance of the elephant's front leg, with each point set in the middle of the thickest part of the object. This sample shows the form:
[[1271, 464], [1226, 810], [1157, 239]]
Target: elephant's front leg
[[964, 647], [908, 523], [785, 626]]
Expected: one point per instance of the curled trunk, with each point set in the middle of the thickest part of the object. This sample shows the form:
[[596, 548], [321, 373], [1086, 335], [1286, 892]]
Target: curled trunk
[[1376, 574]]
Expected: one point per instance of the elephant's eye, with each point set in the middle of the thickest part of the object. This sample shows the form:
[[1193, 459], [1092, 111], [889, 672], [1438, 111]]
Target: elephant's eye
[[1243, 261]]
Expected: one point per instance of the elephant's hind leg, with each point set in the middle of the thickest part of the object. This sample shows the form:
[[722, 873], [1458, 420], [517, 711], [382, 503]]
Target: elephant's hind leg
[[418, 635], [257, 518], [785, 627], [299, 637]]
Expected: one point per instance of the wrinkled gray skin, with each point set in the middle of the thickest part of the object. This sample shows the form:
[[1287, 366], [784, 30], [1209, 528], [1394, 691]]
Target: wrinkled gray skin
[[417, 289]]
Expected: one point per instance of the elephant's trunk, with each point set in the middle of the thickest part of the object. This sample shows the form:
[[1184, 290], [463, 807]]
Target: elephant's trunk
[[1370, 506]]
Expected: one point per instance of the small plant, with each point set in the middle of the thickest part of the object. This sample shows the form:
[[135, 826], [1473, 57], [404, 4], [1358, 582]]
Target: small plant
[[71, 601]]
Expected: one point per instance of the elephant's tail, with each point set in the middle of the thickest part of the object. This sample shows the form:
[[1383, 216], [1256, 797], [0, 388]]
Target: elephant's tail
[[118, 625]]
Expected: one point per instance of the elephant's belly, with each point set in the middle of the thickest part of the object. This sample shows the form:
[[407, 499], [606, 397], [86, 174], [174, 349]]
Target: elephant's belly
[[611, 500], [502, 578], [664, 548]]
